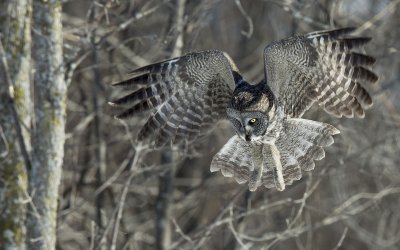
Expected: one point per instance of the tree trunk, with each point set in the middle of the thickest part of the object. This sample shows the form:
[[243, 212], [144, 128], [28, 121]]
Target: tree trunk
[[168, 158], [48, 135], [15, 103]]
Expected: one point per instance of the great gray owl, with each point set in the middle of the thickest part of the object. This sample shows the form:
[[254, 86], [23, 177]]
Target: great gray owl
[[190, 94]]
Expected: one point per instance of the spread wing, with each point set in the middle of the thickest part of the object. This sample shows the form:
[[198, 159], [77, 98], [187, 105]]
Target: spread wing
[[186, 95], [320, 67]]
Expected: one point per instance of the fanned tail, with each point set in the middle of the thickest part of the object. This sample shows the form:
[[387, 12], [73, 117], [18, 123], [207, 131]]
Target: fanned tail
[[234, 160], [300, 143]]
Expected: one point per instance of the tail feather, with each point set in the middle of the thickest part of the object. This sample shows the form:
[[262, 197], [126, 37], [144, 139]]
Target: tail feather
[[306, 140], [234, 160], [300, 144]]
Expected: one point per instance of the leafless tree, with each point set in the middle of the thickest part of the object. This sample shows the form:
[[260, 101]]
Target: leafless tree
[[44, 161], [118, 194], [15, 116]]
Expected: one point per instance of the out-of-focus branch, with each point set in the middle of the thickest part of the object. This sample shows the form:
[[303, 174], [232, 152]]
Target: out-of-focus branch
[[135, 162], [168, 156], [97, 136], [372, 238], [351, 206], [235, 233], [164, 198], [4, 143], [179, 26], [248, 33], [294, 8], [217, 222], [127, 53], [342, 237], [128, 22], [389, 9]]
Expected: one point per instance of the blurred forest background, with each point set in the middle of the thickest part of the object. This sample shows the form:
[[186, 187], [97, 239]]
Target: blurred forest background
[[115, 194]]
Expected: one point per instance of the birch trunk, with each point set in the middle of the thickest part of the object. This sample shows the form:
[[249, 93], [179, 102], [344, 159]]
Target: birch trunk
[[48, 135], [15, 27]]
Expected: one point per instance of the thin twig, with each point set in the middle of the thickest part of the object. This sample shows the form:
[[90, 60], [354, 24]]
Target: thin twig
[[249, 32], [92, 234], [289, 7], [139, 149], [233, 230], [98, 124], [71, 65], [126, 23], [295, 231], [339, 244], [179, 24], [218, 221], [163, 202], [117, 173], [4, 139], [391, 7], [181, 233]]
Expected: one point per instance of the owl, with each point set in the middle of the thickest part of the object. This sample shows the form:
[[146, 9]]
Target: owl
[[189, 95]]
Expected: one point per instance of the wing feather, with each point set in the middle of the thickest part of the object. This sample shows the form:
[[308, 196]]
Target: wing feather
[[320, 67], [187, 95]]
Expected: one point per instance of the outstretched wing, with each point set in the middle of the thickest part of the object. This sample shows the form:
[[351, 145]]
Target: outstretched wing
[[320, 67], [187, 95], [299, 145]]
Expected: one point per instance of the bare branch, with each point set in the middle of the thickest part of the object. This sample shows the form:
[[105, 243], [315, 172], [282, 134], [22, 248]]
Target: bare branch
[[5, 143], [339, 244], [248, 33], [138, 154]]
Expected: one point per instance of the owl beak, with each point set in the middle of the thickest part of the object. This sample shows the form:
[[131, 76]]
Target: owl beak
[[247, 133]]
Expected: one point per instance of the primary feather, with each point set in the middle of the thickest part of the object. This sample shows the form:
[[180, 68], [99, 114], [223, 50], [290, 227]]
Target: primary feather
[[187, 95], [320, 67]]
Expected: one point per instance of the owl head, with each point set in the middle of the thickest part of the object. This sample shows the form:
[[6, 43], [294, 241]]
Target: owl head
[[251, 110]]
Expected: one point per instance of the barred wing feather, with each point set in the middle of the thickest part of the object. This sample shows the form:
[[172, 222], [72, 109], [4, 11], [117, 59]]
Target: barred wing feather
[[187, 95], [321, 67]]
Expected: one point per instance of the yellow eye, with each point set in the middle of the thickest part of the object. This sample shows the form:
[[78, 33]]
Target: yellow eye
[[253, 120]]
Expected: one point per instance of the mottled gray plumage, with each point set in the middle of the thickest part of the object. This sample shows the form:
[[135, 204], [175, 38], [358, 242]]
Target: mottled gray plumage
[[190, 94]]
